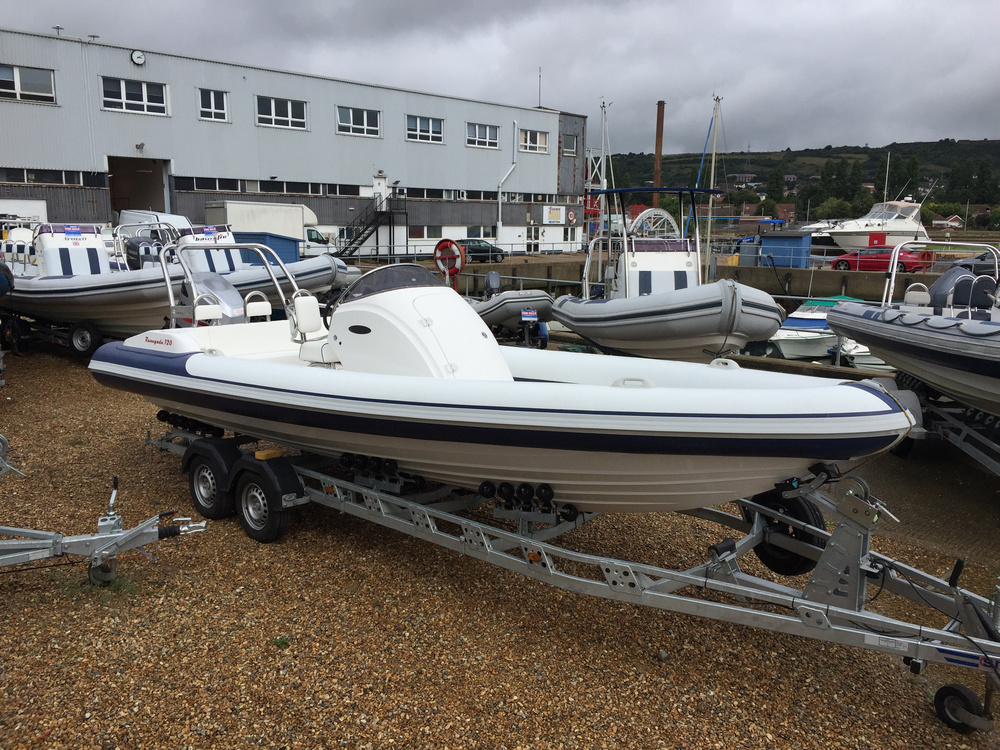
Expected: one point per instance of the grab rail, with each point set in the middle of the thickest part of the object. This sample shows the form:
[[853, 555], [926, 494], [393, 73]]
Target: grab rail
[[890, 286], [263, 251]]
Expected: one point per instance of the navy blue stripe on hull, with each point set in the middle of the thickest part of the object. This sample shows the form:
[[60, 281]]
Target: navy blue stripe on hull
[[988, 367], [487, 434]]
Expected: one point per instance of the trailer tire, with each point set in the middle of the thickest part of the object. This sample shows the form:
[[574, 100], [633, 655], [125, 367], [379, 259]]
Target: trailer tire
[[15, 335], [85, 339], [950, 697], [903, 448], [208, 495], [259, 506], [777, 559]]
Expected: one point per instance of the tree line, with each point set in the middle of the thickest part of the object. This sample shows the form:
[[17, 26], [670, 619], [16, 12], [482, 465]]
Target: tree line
[[949, 178]]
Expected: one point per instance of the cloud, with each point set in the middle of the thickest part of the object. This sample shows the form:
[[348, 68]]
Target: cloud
[[790, 74]]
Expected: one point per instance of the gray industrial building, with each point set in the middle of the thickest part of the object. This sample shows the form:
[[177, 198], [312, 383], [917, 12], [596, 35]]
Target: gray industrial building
[[94, 128]]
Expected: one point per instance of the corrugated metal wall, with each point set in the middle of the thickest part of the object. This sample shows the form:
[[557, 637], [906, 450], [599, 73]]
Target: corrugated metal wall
[[65, 203]]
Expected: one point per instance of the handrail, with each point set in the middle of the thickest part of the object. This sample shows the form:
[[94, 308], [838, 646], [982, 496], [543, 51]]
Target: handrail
[[890, 285], [118, 238], [263, 251]]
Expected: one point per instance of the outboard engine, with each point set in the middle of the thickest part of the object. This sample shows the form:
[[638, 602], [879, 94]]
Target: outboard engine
[[492, 284], [213, 289]]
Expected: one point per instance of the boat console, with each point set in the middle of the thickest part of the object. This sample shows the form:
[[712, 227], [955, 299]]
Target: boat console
[[429, 330]]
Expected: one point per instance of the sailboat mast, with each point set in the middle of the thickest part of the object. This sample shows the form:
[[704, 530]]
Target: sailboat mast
[[885, 187], [711, 185]]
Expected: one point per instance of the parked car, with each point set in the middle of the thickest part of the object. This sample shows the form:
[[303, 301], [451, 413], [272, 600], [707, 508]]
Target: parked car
[[481, 250], [877, 259], [984, 264]]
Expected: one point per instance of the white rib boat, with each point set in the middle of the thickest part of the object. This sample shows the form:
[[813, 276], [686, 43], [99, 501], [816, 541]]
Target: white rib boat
[[408, 372], [64, 276]]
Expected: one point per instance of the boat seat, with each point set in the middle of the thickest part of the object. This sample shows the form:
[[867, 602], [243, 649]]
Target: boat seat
[[215, 260], [983, 291], [17, 251], [917, 297], [75, 261], [309, 321]]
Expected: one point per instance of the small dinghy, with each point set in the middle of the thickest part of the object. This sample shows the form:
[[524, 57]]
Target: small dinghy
[[408, 374]]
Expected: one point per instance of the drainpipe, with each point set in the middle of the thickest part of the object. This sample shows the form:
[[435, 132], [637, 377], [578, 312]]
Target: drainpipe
[[503, 180]]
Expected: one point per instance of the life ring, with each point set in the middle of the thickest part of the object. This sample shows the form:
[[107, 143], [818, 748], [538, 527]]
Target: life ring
[[571, 216], [926, 256], [449, 257]]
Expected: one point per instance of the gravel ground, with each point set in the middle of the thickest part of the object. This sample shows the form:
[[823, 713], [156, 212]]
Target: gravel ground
[[345, 634]]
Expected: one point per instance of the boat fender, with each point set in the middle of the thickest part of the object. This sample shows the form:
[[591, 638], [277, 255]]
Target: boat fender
[[223, 452], [278, 471]]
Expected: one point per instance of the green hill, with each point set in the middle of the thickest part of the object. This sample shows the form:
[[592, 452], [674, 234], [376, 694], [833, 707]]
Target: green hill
[[936, 161]]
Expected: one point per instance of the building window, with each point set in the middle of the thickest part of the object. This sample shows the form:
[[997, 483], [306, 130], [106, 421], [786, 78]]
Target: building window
[[482, 136], [429, 129], [478, 232], [416, 233], [569, 234], [357, 121], [569, 145], [281, 113], [535, 141], [213, 105], [135, 96], [41, 176], [27, 84]]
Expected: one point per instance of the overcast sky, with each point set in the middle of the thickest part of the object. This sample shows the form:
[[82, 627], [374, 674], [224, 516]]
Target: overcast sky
[[791, 73]]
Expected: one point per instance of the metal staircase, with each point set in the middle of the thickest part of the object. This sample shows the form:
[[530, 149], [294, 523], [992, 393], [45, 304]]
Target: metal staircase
[[382, 211]]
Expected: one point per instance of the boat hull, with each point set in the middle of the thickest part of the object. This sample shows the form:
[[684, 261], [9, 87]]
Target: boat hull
[[606, 433], [505, 309], [859, 239], [958, 357], [124, 303], [693, 324]]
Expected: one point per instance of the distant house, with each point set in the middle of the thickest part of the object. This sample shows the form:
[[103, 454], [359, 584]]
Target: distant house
[[785, 211], [742, 179], [952, 222]]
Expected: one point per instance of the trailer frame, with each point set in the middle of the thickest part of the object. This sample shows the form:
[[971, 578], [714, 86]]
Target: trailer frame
[[831, 607]]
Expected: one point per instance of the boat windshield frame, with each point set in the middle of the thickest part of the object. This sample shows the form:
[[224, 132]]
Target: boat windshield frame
[[389, 278]]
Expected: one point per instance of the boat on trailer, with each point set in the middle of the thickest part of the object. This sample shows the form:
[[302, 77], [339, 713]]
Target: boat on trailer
[[652, 302], [68, 286], [947, 336], [407, 372]]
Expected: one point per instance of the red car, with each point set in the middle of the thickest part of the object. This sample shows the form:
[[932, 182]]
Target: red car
[[877, 259]]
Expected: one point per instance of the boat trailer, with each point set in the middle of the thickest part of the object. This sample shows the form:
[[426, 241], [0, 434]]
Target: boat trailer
[[784, 528], [103, 548], [974, 432]]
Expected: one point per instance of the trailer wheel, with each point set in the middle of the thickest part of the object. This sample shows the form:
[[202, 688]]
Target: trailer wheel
[[951, 697], [902, 448], [15, 335], [208, 497], [85, 339], [261, 515], [782, 561]]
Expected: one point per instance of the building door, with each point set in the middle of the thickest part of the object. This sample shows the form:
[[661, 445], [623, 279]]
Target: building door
[[532, 236], [137, 183]]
